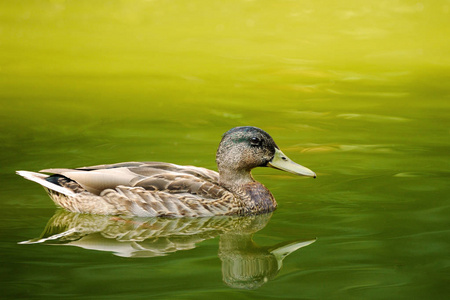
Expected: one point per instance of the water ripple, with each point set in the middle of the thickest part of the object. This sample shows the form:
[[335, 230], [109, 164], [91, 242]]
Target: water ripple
[[373, 117]]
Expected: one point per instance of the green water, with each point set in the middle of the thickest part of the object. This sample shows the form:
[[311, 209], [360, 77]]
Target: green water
[[357, 91]]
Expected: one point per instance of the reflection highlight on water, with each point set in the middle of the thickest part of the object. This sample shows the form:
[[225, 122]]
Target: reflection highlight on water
[[245, 264]]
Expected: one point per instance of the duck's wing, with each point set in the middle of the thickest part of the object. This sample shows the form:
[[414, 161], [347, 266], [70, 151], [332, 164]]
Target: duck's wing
[[150, 175], [151, 168], [149, 189]]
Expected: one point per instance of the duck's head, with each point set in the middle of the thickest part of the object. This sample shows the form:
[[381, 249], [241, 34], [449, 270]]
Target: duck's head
[[244, 148]]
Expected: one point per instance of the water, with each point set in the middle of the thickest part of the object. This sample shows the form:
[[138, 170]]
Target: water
[[356, 91]]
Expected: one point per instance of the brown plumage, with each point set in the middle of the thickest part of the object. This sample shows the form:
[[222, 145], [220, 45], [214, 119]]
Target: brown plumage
[[149, 189]]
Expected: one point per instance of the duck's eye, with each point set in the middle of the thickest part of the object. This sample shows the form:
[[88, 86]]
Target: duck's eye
[[254, 141]]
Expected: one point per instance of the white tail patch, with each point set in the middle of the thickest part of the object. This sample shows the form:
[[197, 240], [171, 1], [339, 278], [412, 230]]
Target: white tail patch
[[40, 178]]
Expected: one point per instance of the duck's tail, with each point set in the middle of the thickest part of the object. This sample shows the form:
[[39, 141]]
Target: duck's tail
[[75, 200], [41, 179]]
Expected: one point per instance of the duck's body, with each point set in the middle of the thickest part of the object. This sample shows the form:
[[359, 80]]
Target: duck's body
[[150, 189]]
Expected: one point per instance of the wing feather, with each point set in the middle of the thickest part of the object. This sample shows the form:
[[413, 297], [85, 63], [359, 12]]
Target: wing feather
[[150, 189]]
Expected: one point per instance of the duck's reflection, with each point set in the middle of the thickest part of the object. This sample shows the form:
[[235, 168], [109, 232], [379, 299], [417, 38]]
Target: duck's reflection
[[244, 263]]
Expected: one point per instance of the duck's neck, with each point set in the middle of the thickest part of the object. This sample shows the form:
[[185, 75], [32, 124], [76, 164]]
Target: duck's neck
[[255, 197], [232, 179]]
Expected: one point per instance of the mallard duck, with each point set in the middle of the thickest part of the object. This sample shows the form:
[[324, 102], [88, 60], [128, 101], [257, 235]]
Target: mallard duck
[[153, 189]]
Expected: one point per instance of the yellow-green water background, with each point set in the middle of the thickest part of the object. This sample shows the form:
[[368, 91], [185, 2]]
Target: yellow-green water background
[[358, 91]]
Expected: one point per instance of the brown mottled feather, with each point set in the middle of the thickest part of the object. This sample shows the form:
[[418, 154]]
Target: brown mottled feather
[[144, 189]]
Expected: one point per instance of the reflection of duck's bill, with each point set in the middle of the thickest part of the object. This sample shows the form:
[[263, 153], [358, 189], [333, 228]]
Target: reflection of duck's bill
[[282, 162], [282, 250]]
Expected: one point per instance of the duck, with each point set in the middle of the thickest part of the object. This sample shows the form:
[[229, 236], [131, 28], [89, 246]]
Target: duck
[[159, 189]]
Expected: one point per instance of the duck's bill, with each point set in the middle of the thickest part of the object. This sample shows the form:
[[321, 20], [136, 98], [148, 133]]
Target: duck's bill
[[282, 162]]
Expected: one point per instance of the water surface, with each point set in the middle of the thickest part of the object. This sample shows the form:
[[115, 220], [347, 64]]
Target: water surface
[[356, 91]]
